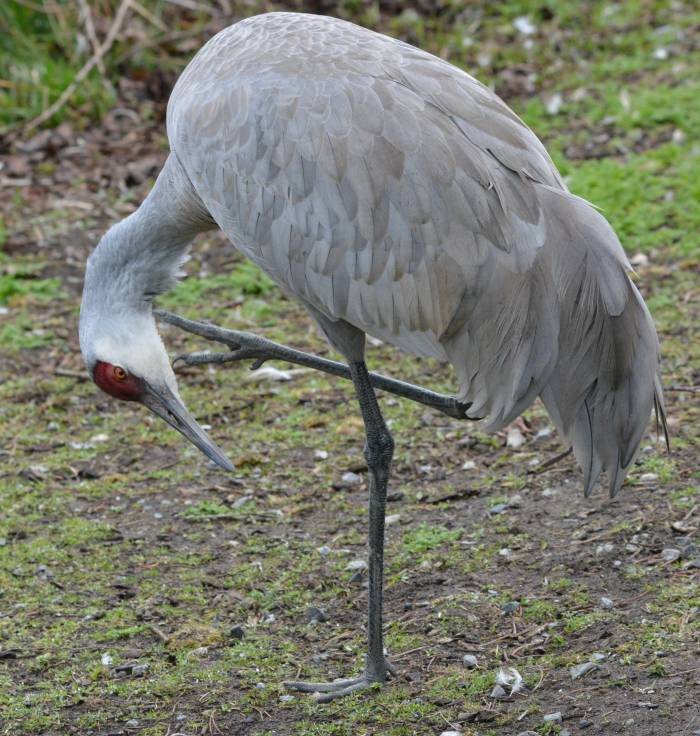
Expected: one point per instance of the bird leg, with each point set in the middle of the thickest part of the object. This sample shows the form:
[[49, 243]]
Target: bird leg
[[247, 345], [379, 449]]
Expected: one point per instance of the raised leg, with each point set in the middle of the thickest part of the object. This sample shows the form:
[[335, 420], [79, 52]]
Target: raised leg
[[379, 449], [248, 346]]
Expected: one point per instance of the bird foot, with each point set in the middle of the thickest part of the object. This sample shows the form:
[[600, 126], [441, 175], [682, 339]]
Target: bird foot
[[325, 692], [244, 345]]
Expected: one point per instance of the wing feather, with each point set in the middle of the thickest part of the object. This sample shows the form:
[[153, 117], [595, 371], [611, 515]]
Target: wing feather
[[386, 188]]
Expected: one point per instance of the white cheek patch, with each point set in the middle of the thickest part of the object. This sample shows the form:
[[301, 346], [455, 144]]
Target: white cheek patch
[[140, 350]]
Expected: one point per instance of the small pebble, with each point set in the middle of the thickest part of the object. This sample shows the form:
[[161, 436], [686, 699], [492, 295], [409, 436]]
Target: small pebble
[[528, 733], [286, 698], [236, 632], [107, 659], [510, 607], [640, 259], [606, 603], [131, 723], [468, 465], [597, 657], [648, 477], [469, 661], [498, 693], [580, 670], [553, 717], [524, 25], [514, 438], [451, 733], [260, 685], [392, 519], [356, 565], [670, 554], [139, 670], [603, 549], [321, 455], [324, 551], [315, 615], [499, 508], [351, 478]]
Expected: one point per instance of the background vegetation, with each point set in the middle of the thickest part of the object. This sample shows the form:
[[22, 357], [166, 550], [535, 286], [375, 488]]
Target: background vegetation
[[142, 591]]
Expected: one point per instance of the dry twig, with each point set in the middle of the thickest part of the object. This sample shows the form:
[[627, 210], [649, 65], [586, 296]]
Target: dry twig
[[91, 34], [84, 71]]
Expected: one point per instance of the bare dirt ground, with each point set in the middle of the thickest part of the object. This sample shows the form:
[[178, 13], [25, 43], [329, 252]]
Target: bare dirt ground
[[144, 592]]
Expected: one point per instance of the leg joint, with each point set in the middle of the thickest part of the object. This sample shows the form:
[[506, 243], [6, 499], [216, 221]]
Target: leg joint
[[379, 449]]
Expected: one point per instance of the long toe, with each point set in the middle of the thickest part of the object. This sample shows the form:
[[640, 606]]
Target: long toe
[[324, 692], [322, 687]]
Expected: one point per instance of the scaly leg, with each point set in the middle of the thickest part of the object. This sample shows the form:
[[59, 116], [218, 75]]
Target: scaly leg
[[246, 345], [379, 449]]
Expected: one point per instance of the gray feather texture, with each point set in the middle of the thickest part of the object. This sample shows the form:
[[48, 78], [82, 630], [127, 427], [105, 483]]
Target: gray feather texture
[[387, 189]]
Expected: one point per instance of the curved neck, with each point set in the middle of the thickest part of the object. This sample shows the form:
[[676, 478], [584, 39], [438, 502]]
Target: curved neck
[[141, 256]]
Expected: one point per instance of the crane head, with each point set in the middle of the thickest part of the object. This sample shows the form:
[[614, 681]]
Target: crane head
[[127, 360]]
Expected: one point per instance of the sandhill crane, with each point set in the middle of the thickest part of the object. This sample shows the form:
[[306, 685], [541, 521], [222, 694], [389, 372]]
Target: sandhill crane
[[393, 195]]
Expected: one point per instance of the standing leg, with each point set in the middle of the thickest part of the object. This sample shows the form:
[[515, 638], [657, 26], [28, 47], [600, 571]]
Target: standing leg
[[379, 449]]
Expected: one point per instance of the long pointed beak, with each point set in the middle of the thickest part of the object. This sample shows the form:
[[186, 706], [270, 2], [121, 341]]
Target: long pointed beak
[[163, 402]]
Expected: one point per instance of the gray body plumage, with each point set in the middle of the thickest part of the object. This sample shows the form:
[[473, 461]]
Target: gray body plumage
[[388, 190]]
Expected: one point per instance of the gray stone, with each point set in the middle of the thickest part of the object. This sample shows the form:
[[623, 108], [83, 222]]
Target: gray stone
[[606, 603], [580, 670], [499, 508], [315, 615], [236, 632], [356, 565], [510, 607], [469, 661], [498, 693], [552, 717], [670, 554]]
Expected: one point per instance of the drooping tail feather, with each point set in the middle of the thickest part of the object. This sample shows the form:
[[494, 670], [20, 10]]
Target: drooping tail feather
[[605, 381]]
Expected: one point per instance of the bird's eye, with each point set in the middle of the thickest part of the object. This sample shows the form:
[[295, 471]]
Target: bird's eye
[[119, 373]]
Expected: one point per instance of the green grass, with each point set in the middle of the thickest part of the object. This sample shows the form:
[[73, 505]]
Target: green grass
[[156, 543]]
